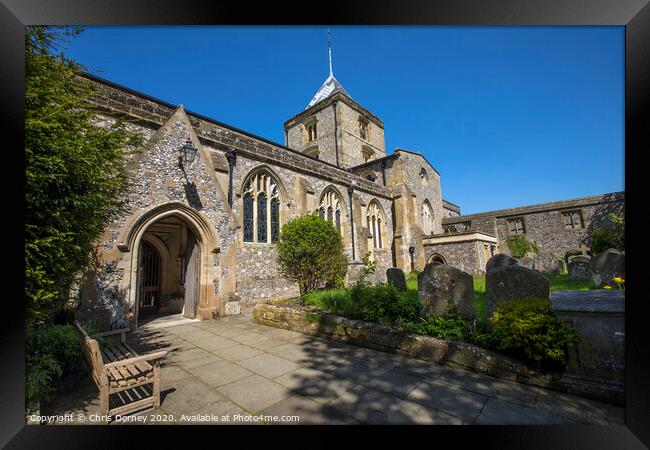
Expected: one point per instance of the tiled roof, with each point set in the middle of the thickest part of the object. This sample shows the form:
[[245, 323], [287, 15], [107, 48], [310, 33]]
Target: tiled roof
[[329, 87]]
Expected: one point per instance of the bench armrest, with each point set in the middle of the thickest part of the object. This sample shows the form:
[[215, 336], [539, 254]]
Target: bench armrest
[[136, 359]]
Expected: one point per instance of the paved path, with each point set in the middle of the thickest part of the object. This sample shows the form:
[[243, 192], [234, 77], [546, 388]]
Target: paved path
[[232, 368]]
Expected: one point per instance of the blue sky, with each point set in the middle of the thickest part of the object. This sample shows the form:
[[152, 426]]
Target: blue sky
[[509, 116]]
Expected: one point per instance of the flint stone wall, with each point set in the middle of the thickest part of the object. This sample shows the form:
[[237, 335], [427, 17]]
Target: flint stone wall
[[310, 321], [544, 224]]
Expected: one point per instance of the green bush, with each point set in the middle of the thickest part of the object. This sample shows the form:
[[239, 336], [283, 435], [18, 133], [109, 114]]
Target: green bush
[[310, 252], [75, 171], [51, 351], [384, 304], [609, 236], [519, 246], [450, 326], [527, 328]]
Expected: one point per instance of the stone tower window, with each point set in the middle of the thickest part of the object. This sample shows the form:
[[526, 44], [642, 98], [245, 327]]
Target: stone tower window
[[427, 218], [516, 225], [261, 209], [330, 207], [423, 177], [368, 153], [573, 220], [374, 220], [363, 129], [311, 130]]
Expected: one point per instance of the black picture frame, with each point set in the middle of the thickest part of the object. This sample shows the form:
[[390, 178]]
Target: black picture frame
[[634, 15]]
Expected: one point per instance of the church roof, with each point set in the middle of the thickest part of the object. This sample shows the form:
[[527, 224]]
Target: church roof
[[330, 86]]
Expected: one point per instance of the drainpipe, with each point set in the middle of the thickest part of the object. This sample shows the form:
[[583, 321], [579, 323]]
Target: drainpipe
[[336, 134], [383, 171], [232, 158], [350, 191]]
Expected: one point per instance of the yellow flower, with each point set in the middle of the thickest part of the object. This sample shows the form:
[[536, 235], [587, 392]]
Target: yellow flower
[[619, 280], [607, 287]]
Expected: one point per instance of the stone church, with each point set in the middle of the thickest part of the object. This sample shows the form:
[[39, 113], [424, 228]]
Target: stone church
[[203, 216]]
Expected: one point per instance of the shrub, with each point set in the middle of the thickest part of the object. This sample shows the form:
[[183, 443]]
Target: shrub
[[368, 268], [609, 236], [311, 253], [51, 351], [519, 246], [527, 328], [75, 171], [450, 326], [384, 304]]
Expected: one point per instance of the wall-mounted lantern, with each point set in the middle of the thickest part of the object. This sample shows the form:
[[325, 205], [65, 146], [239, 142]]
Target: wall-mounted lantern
[[187, 153]]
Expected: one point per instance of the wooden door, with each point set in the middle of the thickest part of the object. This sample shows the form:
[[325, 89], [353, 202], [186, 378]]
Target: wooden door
[[191, 278], [149, 280]]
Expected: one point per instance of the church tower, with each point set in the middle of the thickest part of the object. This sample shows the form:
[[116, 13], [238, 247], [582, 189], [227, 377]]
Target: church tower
[[335, 128]]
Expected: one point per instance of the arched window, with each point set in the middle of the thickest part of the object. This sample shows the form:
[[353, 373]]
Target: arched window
[[261, 209], [374, 219], [424, 178], [330, 207], [427, 218]]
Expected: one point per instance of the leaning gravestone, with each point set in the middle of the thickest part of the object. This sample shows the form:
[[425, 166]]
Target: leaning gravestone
[[561, 267], [395, 276], [500, 260], [580, 270], [443, 289], [608, 265], [513, 283]]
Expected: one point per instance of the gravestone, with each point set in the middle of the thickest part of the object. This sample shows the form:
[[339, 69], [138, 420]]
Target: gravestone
[[395, 276], [443, 289], [608, 265], [500, 260], [583, 258], [513, 283], [561, 267], [580, 270]]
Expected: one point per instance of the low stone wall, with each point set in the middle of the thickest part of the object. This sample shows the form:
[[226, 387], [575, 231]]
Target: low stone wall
[[311, 321]]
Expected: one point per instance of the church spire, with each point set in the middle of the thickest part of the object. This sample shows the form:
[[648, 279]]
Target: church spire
[[331, 84], [329, 47]]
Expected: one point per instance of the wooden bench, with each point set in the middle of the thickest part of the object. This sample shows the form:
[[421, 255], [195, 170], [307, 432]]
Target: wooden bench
[[120, 370]]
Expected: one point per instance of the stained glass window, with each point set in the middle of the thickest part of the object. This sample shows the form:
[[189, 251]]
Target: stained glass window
[[275, 219], [261, 209], [248, 218], [331, 204], [374, 219], [261, 218]]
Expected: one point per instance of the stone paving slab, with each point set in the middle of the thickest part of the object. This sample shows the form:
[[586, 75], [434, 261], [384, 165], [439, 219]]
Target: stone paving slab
[[499, 412], [229, 368], [255, 393], [269, 366], [455, 401], [309, 412]]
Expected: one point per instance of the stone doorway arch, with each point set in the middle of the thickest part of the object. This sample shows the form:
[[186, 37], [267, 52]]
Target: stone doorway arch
[[437, 259], [204, 249]]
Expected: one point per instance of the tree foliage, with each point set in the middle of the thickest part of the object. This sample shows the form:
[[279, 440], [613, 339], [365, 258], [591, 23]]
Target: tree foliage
[[519, 246], [310, 252], [609, 236], [75, 174]]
